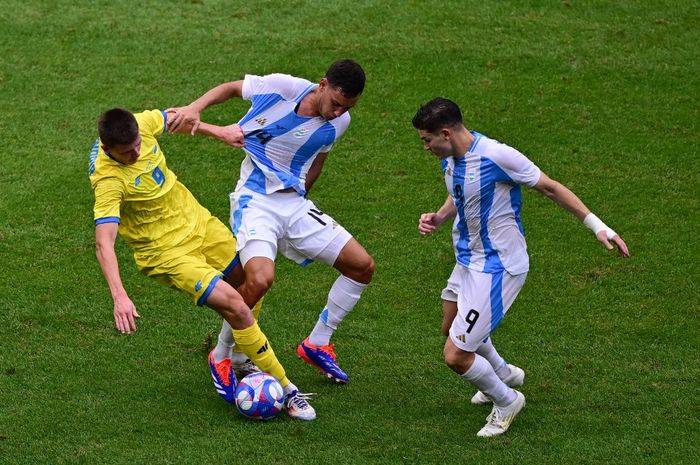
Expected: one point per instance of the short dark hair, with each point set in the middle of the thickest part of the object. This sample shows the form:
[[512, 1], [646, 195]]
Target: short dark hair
[[348, 76], [437, 114], [117, 127]]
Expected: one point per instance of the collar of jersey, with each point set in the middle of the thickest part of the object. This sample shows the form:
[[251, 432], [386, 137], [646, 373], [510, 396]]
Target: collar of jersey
[[475, 142], [110, 156]]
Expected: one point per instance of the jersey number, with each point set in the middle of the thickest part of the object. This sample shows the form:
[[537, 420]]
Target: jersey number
[[313, 212], [158, 176], [471, 318], [262, 135]]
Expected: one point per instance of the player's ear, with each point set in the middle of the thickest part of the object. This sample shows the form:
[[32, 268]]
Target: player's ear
[[323, 83], [446, 133]]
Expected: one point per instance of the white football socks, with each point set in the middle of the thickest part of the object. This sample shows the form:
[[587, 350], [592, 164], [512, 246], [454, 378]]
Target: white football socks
[[226, 346], [481, 375], [225, 343], [342, 297], [488, 351]]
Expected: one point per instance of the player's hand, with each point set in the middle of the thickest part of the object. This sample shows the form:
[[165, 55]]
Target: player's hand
[[125, 314], [182, 118], [232, 135], [428, 223], [602, 236]]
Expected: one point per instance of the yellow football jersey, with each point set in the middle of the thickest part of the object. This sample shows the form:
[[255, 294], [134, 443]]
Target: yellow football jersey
[[157, 215]]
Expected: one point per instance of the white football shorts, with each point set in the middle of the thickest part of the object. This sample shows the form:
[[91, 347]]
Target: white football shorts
[[482, 301], [291, 224]]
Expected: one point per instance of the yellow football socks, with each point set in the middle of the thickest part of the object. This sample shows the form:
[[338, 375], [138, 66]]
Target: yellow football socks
[[252, 342]]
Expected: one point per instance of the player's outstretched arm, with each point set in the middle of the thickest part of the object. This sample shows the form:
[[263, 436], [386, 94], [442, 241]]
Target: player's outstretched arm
[[189, 115], [429, 222], [569, 201], [124, 309], [232, 134]]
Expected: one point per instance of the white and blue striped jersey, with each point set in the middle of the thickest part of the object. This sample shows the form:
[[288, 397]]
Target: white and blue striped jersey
[[485, 188], [280, 145]]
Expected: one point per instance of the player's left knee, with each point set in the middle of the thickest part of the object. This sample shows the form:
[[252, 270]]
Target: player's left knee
[[234, 310], [459, 361], [454, 362], [368, 268], [362, 270]]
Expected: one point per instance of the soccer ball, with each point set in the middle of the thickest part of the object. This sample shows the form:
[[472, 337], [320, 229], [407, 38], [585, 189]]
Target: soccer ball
[[259, 396]]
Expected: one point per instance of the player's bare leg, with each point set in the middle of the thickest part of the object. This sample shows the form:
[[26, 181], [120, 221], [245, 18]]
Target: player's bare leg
[[259, 275], [226, 345], [449, 312]]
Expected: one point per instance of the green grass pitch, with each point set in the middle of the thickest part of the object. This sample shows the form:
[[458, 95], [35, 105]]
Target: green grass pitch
[[602, 95]]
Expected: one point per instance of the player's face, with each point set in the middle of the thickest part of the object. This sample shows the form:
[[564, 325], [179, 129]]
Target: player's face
[[437, 143], [332, 102], [126, 153]]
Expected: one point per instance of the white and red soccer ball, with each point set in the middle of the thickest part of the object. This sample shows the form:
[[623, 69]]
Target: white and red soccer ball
[[259, 396]]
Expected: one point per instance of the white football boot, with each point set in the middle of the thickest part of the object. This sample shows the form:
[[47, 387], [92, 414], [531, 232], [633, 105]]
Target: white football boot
[[500, 418], [298, 407], [514, 379]]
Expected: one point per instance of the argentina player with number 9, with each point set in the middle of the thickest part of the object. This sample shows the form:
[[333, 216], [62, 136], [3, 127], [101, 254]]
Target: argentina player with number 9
[[483, 178]]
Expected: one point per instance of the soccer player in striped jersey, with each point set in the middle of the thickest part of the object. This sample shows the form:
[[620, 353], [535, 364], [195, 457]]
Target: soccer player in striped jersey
[[483, 178], [175, 240], [289, 129]]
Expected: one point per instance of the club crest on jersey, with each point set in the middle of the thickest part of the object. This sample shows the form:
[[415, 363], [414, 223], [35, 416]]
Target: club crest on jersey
[[261, 121], [300, 133]]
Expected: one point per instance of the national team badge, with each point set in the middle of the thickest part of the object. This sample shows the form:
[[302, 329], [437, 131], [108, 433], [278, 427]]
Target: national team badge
[[300, 133], [472, 176], [261, 121]]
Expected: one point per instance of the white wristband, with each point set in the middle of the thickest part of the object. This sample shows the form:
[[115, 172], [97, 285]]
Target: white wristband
[[595, 224]]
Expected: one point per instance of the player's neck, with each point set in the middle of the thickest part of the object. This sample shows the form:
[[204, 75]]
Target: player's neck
[[461, 142], [308, 107]]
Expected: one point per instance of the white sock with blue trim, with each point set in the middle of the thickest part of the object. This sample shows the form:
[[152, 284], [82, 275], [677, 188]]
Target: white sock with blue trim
[[488, 351], [342, 297]]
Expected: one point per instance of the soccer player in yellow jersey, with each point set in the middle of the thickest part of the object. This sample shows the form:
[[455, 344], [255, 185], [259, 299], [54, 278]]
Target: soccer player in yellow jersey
[[175, 240]]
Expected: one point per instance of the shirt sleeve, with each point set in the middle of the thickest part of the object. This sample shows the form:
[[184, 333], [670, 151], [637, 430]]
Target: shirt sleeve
[[109, 193], [152, 122], [516, 165]]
